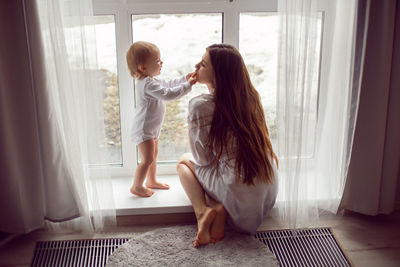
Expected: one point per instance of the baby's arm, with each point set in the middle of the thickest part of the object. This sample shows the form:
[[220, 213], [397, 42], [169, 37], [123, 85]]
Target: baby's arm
[[157, 90], [190, 77], [173, 82]]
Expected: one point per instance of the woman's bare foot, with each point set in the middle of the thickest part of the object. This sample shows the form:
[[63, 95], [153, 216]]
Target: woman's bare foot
[[156, 185], [204, 223], [217, 231], [141, 191]]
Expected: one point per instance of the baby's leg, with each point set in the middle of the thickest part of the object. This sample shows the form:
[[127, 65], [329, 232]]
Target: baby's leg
[[151, 181], [146, 150]]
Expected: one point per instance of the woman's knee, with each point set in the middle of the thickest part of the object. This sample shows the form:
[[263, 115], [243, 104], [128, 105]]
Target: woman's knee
[[184, 158], [180, 167], [184, 162]]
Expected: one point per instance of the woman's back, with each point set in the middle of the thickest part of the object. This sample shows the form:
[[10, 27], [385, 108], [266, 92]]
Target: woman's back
[[247, 205], [232, 175]]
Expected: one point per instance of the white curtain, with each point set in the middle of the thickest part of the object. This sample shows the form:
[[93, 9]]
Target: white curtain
[[76, 95], [316, 105], [52, 113]]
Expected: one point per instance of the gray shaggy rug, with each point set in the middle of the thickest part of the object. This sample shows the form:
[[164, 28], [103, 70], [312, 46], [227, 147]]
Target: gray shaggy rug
[[172, 246]]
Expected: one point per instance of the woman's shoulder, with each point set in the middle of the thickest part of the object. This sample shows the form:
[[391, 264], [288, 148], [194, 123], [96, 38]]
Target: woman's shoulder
[[201, 102]]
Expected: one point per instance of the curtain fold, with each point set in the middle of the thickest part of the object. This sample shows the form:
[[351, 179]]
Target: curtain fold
[[373, 178], [32, 187], [52, 120], [316, 105]]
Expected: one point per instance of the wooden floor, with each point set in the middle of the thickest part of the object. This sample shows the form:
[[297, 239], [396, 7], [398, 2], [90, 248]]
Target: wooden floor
[[366, 240]]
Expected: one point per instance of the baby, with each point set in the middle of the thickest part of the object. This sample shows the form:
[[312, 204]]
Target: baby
[[144, 64]]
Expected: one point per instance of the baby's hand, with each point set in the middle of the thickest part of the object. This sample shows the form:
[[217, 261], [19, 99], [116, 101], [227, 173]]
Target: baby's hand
[[191, 78], [189, 75]]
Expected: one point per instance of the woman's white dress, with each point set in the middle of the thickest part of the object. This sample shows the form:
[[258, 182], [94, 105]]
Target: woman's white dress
[[247, 205]]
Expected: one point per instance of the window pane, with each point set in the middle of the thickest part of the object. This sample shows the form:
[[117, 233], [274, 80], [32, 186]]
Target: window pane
[[182, 43], [261, 57], [107, 69]]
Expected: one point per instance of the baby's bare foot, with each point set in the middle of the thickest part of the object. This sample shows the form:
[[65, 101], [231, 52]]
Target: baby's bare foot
[[204, 223], [217, 231], [141, 191], [156, 185]]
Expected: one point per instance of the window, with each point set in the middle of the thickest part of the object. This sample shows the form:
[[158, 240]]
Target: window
[[107, 69], [182, 30], [103, 68], [262, 63], [261, 57], [172, 33]]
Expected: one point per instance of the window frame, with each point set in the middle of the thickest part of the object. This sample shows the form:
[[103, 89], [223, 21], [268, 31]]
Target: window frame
[[123, 11]]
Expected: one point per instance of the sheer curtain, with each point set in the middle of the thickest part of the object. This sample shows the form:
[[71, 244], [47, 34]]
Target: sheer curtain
[[52, 119], [76, 96], [316, 105]]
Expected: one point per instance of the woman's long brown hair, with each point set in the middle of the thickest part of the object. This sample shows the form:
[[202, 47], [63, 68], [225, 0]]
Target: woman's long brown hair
[[238, 112]]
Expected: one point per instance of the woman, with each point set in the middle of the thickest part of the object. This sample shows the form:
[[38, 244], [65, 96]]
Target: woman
[[232, 171]]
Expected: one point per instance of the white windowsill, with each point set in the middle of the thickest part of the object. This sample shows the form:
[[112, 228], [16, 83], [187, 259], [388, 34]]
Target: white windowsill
[[173, 200], [169, 201]]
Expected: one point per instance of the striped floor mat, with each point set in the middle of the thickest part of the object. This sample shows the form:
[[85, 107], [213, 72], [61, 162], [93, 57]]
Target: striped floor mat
[[308, 247]]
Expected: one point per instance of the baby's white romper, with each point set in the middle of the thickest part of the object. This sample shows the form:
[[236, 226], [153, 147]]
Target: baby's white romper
[[150, 105]]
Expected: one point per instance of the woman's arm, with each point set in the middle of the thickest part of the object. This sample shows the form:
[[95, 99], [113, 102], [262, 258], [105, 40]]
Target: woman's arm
[[199, 122]]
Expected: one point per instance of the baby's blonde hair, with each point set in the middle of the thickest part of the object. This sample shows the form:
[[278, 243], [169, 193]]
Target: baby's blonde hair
[[137, 55]]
